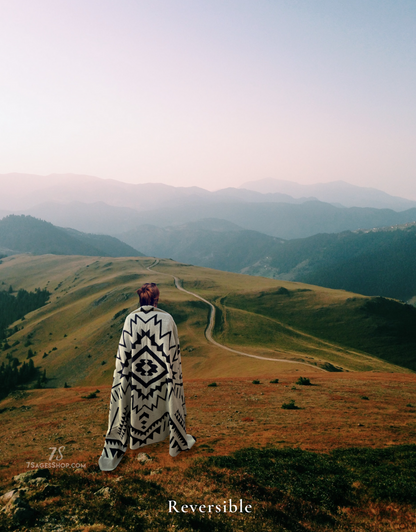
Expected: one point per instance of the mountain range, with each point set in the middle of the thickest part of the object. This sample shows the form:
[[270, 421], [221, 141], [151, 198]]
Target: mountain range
[[23, 191], [335, 192], [281, 220], [264, 232], [104, 206]]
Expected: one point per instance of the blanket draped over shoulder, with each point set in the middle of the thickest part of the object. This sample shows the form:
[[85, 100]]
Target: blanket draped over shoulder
[[147, 397]]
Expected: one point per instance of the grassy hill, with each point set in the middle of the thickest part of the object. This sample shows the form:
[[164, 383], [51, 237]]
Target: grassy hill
[[22, 234], [75, 335]]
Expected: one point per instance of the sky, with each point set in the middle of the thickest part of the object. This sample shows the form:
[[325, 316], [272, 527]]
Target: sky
[[211, 93]]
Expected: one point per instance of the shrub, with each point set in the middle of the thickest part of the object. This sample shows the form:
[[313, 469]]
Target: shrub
[[303, 381], [274, 381], [256, 382], [290, 405], [213, 384], [364, 397], [92, 395]]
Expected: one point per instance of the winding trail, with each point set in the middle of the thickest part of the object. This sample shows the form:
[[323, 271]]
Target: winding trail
[[210, 327]]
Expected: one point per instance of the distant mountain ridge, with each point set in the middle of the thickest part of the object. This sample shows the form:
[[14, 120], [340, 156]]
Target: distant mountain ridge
[[281, 220], [25, 191], [25, 234], [335, 192]]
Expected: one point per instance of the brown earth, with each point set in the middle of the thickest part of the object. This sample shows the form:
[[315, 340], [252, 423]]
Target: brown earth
[[235, 414], [333, 413]]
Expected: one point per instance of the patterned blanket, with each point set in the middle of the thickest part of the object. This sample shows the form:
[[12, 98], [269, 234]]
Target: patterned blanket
[[147, 397]]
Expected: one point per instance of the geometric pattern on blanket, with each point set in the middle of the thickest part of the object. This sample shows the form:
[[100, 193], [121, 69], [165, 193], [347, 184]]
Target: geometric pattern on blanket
[[147, 397]]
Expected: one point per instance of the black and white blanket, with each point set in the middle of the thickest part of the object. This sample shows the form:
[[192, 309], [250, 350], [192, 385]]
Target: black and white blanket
[[147, 397]]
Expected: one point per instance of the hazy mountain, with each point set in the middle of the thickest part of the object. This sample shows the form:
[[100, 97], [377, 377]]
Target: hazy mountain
[[281, 220], [97, 217], [335, 192], [251, 196], [25, 234], [25, 191], [212, 243]]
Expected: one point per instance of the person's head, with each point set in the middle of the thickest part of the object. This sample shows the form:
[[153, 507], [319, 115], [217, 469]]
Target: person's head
[[148, 294]]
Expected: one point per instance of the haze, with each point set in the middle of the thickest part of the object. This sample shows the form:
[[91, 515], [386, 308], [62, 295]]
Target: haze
[[210, 93]]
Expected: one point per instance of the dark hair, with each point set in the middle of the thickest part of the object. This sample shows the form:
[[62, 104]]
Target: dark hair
[[148, 293]]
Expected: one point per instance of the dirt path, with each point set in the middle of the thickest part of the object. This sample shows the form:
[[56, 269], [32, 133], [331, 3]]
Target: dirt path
[[210, 327]]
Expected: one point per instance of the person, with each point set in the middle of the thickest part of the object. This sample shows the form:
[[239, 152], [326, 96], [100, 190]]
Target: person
[[147, 397]]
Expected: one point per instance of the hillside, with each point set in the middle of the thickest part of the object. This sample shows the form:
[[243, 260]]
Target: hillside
[[211, 242], [372, 262], [377, 262], [75, 335], [25, 234]]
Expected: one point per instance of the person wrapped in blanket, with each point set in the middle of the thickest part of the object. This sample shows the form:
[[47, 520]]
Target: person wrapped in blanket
[[147, 397]]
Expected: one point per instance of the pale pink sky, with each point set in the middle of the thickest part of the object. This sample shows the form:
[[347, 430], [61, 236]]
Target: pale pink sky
[[211, 92]]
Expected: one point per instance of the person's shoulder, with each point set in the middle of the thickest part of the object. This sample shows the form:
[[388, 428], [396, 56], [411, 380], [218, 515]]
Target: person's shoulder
[[150, 310], [164, 315]]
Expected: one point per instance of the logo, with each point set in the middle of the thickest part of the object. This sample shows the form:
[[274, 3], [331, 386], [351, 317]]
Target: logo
[[54, 451], [57, 453]]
